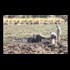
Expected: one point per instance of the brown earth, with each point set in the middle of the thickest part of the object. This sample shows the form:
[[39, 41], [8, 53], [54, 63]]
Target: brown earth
[[21, 46]]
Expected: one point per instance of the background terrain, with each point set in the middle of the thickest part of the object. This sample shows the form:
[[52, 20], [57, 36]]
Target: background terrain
[[14, 37]]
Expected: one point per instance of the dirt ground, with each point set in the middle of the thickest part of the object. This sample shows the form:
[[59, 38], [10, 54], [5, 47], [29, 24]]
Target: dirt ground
[[15, 42], [21, 46]]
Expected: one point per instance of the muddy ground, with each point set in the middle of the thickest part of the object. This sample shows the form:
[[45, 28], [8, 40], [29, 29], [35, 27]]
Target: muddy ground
[[21, 46], [15, 39]]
